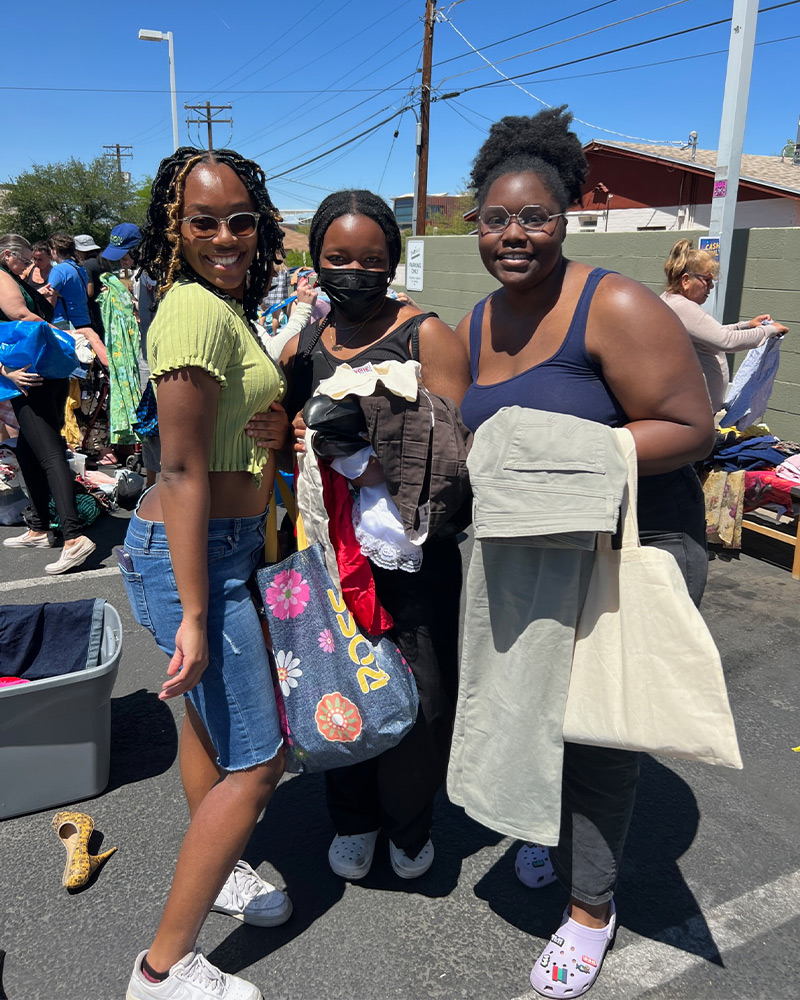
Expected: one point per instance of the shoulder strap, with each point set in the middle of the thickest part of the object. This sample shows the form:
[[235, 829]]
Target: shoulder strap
[[587, 293], [78, 272], [475, 337], [321, 326], [416, 324]]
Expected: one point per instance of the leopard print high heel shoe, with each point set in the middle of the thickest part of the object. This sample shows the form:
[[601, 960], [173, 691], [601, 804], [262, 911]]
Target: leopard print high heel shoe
[[75, 829]]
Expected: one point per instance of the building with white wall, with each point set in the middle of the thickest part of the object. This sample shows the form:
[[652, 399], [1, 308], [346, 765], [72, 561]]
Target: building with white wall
[[634, 187]]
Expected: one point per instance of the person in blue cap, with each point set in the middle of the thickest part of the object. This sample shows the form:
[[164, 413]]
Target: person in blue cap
[[123, 239]]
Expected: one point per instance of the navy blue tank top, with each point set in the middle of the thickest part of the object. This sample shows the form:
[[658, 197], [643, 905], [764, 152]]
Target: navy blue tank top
[[568, 382]]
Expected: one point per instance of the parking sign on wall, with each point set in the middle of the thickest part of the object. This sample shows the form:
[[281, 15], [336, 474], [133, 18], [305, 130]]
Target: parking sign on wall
[[415, 255]]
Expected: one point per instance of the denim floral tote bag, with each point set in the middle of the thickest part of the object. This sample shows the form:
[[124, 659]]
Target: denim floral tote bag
[[342, 696]]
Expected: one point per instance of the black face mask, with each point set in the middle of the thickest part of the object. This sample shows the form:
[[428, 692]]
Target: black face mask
[[354, 293]]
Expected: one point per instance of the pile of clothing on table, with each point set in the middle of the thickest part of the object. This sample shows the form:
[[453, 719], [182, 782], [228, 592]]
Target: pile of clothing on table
[[748, 470]]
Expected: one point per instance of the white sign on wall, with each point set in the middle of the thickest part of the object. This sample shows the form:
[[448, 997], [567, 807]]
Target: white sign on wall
[[415, 255]]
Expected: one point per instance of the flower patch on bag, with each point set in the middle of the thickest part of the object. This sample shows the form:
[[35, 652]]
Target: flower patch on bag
[[338, 719], [325, 640], [287, 667], [288, 595], [342, 695]]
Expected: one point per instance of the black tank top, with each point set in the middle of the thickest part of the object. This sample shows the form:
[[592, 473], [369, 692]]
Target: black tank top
[[314, 362]]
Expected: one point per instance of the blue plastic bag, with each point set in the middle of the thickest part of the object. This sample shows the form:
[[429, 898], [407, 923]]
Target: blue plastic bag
[[49, 352]]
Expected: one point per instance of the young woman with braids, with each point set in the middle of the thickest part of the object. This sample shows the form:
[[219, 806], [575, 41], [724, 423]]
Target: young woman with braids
[[355, 248], [210, 241], [563, 337]]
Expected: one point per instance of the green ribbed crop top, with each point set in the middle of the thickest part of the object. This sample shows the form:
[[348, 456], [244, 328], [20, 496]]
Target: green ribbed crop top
[[193, 327]]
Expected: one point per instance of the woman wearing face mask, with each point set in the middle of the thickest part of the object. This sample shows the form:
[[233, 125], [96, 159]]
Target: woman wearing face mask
[[690, 277], [355, 248]]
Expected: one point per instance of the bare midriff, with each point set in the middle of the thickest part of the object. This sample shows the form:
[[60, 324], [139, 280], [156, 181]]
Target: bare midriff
[[233, 494]]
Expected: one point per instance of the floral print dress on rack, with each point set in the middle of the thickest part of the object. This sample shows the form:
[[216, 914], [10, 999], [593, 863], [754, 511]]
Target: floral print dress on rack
[[122, 347]]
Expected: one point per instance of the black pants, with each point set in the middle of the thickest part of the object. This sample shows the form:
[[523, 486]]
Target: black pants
[[395, 790], [40, 452]]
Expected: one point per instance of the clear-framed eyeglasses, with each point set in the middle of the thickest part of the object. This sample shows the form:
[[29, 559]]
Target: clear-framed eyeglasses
[[532, 218]]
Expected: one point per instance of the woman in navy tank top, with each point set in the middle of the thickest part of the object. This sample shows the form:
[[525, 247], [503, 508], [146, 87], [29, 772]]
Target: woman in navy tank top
[[560, 336]]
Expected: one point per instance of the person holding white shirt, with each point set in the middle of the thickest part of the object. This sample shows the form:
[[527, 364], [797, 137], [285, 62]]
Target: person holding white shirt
[[690, 277]]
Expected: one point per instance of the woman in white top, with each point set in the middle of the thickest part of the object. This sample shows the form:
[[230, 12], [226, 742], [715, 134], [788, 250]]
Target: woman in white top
[[690, 277]]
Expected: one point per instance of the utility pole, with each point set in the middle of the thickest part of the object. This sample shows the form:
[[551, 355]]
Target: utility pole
[[797, 146], [116, 151], [423, 129], [731, 141], [209, 118]]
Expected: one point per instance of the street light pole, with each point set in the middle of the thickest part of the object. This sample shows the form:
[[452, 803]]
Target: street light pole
[[145, 35], [731, 142], [172, 89]]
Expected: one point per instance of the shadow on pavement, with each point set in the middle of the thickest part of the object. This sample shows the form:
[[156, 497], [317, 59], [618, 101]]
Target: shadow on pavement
[[652, 891], [144, 739], [294, 837]]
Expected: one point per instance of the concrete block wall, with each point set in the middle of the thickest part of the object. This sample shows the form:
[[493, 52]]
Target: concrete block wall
[[764, 277]]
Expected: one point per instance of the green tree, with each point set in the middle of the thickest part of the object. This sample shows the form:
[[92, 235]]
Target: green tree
[[73, 197]]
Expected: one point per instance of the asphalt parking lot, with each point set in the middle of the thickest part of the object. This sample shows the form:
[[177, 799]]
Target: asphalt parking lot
[[709, 898]]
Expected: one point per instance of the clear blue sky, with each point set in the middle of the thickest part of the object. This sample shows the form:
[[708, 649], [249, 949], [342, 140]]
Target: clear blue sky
[[306, 75]]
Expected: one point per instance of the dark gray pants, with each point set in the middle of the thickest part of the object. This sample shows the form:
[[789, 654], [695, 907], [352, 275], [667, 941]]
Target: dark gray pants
[[599, 784]]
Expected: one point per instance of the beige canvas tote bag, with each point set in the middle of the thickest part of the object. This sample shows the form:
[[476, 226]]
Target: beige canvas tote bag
[[646, 674]]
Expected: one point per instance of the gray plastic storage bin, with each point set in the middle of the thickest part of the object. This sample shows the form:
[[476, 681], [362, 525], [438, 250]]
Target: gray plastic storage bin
[[55, 733]]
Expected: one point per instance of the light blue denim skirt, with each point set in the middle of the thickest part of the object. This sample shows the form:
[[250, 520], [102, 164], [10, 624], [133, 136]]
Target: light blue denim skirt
[[235, 697]]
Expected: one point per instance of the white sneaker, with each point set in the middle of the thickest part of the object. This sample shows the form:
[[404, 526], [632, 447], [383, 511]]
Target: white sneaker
[[407, 867], [192, 978], [248, 897], [28, 541], [72, 556], [351, 857]]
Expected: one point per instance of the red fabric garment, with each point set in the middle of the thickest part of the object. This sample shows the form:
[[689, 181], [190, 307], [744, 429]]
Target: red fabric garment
[[355, 572], [763, 486]]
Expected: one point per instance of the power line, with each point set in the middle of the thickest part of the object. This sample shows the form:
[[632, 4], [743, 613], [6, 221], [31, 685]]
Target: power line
[[330, 52], [363, 121], [563, 41], [101, 90], [658, 62], [391, 150], [598, 55], [530, 31], [599, 128], [292, 115], [341, 145], [453, 105]]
